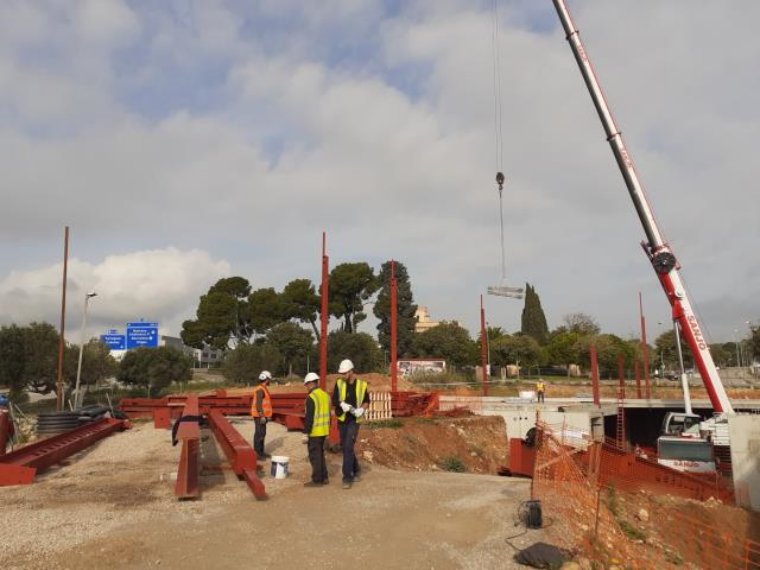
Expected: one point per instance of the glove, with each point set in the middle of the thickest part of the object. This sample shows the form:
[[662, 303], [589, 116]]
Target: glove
[[358, 412], [345, 407]]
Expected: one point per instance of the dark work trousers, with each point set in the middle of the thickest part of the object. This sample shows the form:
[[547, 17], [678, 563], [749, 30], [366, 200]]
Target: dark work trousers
[[540, 396], [348, 433], [317, 458], [259, 435]]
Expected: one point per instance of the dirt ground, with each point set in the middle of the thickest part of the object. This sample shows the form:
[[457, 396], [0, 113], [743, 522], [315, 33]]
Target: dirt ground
[[113, 507], [475, 444]]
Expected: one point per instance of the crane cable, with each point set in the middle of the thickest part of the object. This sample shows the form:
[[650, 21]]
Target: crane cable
[[497, 110], [497, 118]]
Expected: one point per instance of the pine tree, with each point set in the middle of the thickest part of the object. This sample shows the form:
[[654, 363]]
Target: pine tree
[[533, 322], [406, 309]]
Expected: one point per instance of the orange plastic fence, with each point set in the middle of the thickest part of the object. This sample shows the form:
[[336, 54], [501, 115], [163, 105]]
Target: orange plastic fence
[[617, 524]]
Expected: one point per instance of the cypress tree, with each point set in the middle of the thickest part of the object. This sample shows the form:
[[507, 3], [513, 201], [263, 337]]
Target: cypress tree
[[406, 308], [533, 322]]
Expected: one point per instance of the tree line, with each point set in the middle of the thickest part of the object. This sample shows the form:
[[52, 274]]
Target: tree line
[[29, 362]]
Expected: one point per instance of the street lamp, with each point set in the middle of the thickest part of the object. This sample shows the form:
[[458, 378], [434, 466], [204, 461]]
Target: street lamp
[[738, 350], [77, 396]]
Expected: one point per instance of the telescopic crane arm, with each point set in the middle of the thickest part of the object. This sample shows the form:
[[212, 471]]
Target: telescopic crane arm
[[659, 253]]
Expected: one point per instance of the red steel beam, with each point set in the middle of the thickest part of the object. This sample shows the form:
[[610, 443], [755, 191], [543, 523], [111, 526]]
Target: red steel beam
[[324, 316], [20, 466], [239, 453], [189, 433]]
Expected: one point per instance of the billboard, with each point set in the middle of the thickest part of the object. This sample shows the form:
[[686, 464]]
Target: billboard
[[421, 366]]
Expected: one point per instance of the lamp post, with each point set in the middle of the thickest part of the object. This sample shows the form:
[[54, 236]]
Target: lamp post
[[77, 396], [738, 353]]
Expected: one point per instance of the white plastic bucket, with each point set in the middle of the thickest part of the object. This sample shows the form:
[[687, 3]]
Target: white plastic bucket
[[279, 468], [527, 395]]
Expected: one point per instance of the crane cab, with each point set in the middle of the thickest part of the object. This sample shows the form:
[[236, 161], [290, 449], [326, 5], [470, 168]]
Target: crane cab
[[681, 424]]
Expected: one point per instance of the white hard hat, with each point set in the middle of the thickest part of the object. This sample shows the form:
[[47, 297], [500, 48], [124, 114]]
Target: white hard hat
[[265, 375], [345, 366], [311, 377]]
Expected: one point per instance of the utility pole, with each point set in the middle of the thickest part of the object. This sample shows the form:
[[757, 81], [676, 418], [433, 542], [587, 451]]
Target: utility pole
[[77, 395], [61, 340]]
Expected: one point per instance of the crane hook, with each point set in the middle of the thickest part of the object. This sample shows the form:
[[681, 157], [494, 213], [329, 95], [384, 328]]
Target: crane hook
[[500, 180]]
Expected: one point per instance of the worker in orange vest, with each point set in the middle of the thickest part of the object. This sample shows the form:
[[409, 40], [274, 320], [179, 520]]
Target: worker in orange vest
[[261, 411]]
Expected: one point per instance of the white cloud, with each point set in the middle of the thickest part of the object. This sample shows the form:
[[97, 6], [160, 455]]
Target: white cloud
[[269, 146], [158, 285]]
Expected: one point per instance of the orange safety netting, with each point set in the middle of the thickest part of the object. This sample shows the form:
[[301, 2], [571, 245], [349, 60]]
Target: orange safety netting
[[610, 522]]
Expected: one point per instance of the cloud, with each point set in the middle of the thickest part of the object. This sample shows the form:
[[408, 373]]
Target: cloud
[[157, 285], [246, 129]]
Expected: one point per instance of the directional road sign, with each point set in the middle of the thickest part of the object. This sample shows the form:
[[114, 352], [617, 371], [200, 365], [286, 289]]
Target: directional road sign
[[114, 341], [142, 334]]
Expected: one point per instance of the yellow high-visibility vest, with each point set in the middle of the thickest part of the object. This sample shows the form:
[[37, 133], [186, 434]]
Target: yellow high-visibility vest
[[361, 389], [321, 425], [540, 386]]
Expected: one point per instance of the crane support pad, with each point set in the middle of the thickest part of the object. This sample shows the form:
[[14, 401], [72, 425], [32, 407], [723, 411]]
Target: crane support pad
[[238, 451], [20, 466]]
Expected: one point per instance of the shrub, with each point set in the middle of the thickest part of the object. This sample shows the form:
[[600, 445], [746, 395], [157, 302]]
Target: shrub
[[452, 463]]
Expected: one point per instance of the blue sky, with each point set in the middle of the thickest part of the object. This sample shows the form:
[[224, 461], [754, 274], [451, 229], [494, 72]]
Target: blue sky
[[185, 141]]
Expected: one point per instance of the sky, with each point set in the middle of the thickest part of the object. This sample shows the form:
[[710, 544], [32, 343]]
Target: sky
[[184, 141]]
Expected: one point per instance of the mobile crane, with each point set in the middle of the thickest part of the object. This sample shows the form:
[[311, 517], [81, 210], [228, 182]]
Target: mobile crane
[[663, 260]]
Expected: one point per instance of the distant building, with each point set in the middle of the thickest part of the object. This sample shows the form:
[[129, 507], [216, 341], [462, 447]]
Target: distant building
[[204, 358], [424, 322]]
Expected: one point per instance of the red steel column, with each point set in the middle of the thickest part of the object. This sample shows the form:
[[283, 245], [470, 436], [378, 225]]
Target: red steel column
[[5, 430], [324, 318], [621, 373], [394, 330], [644, 347], [483, 347], [594, 374], [638, 379]]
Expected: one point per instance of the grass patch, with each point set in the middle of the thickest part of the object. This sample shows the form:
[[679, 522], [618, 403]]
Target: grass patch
[[631, 531], [612, 500], [452, 463]]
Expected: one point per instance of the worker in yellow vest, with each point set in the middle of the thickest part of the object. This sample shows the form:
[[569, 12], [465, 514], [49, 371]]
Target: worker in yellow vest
[[351, 401], [540, 389], [261, 411], [316, 425]]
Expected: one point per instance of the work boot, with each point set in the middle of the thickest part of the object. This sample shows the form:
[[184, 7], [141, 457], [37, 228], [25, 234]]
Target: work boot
[[312, 484], [357, 478], [346, 485]]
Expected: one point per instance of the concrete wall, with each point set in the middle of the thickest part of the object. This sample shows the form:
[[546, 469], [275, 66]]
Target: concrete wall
[[744, 431]]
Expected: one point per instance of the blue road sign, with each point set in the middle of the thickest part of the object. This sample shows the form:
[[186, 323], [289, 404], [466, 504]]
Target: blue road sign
[[142, 334], [114, 341]]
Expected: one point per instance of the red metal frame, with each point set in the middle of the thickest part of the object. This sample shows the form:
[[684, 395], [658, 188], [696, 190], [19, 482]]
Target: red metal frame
[[239, 452], [644, 346], [20, 466], [483, 347], [594, 374], [394, 329], [5, 430], [189, 433]]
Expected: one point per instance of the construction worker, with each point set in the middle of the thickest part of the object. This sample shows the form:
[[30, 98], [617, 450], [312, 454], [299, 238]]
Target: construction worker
[[261, 410], [316, 427], [350, 400], [540, 389]]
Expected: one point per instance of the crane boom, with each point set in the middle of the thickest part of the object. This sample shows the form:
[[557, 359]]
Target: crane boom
[[659, 252]]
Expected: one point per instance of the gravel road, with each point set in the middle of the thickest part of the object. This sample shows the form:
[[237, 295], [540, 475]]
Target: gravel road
[[113, 507]]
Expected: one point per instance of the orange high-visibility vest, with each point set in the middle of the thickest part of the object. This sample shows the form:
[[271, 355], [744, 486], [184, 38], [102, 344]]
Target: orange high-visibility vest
[[266, 403]]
